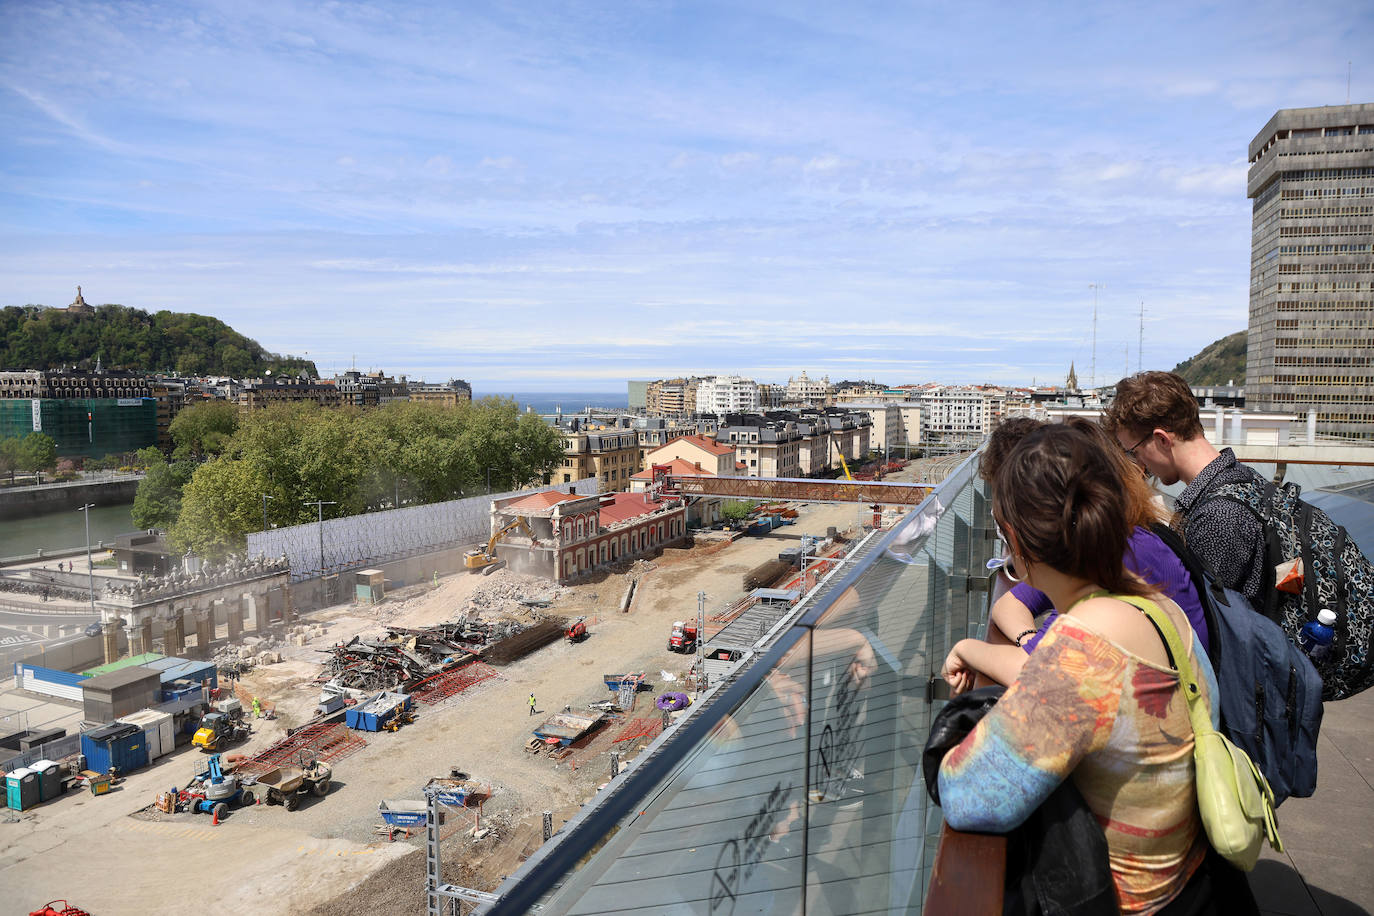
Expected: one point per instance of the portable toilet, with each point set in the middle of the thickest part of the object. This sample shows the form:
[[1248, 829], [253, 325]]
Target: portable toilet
[[49, 778], [21, 789]]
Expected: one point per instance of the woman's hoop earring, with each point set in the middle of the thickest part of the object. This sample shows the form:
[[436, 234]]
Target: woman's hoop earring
[[1010, 571]]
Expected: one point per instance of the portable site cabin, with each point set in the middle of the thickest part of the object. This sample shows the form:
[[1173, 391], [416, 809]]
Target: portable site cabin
[[120, 693], [157, 730], [120, 745]]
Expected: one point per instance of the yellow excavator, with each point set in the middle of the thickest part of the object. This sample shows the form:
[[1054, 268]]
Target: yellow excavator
[[477, 558]]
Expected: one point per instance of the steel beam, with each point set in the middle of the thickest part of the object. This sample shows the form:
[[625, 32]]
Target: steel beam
[[871, 492]]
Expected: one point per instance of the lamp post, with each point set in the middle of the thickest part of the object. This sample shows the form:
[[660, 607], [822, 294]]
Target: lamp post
[[265, 498], [90, 569], [488, 481], [319, 505]]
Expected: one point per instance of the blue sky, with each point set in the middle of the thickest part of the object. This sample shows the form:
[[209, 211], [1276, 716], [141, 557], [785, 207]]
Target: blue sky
[[565, 196]]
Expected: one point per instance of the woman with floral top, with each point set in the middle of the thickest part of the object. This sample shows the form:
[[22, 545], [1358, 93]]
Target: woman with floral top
[[1097, 702]]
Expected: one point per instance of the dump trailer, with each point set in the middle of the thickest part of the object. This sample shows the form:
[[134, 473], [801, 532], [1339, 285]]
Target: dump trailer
[[286, 785]]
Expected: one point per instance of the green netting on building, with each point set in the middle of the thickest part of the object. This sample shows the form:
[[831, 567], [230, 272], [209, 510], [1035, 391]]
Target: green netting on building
[[122, 663], [93, 427]]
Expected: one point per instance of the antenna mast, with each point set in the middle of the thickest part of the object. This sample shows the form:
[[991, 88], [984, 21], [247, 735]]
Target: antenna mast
[[1092, 371], [1140, 344]]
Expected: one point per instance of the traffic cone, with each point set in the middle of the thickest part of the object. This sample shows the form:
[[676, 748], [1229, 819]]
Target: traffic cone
[[214, 816]]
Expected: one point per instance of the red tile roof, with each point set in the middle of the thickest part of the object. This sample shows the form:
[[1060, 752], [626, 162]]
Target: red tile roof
[[625, 507], [676, 466], [710, 445], [541, 500]]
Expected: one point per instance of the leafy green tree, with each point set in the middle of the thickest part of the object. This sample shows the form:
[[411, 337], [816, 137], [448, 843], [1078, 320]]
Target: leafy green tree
[[737, 510], [158, 500], [37, 452], [219, 506], [204, 429]]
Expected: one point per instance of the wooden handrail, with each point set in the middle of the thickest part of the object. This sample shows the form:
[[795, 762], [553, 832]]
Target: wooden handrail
[[969, 872]]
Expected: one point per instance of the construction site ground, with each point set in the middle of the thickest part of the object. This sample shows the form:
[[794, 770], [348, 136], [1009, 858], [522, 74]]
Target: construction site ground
[[114, 854]]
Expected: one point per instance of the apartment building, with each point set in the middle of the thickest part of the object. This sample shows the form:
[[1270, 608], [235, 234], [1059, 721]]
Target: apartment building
[[671, 397], [727, 394], [654, 432], [608, 453], [765, 447], [449, 394], [803, 390], [887, 432], [1311, 334], [691, 456], [262, 393], [772, 397], [959, 415], [370, 389]]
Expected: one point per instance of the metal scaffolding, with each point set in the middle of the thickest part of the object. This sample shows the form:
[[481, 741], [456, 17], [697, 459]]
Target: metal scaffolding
[[799, 489]]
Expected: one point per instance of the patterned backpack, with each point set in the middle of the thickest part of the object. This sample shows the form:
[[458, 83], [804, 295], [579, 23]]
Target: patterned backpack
[[1337, 576]]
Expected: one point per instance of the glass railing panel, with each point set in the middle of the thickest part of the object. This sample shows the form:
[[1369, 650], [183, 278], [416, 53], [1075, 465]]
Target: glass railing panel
[[801, 787], [724, 832]]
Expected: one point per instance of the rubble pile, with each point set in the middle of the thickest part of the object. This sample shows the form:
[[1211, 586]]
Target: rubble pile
[[511, 594], [250, 652]]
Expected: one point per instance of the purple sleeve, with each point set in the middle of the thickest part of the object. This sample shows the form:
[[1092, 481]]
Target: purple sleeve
[[1151, 559], [1037, 602]]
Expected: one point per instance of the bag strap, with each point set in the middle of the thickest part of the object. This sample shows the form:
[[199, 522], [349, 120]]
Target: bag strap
[[1198, 712]]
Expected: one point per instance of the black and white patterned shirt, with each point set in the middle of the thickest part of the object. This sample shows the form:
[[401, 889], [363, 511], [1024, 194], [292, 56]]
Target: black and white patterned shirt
[[1225, 535]]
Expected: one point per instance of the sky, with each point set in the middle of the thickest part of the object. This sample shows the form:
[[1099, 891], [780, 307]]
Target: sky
[[561, 197]]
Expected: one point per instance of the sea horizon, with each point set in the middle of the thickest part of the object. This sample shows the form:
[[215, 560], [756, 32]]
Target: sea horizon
[[547, 402]]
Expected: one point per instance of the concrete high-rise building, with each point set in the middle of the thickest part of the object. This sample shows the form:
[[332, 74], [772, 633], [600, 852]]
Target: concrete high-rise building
[[1311, 334]]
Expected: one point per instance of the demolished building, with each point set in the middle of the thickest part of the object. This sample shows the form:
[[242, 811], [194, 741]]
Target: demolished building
[[571, 536]]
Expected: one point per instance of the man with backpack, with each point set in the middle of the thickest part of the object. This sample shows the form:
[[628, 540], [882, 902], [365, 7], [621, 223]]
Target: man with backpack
[[1244, 528], [1155, 418]]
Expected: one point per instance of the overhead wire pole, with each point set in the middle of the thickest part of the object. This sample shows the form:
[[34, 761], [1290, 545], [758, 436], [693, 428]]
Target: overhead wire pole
[[90, 567], [319, 505]]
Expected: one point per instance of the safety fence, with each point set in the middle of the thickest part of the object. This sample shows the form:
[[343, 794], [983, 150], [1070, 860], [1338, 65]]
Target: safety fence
[[339, 544]]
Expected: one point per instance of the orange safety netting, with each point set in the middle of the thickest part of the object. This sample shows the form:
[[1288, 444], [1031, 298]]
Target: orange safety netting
[[434, 690], [314, 742]]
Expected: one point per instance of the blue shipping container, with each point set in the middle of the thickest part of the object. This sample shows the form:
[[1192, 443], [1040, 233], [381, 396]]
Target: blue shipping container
[[122, 746]]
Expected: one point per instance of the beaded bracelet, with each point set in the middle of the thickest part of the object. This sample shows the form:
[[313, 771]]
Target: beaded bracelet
[[1022, 635]]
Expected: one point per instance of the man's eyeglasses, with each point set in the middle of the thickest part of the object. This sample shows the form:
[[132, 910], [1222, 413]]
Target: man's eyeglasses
[[1130, 452]]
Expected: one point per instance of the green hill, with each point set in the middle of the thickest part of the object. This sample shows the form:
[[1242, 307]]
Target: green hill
[[1219, 362], [36, 337]]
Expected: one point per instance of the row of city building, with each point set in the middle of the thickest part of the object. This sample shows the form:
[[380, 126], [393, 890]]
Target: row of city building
[[97, 412]]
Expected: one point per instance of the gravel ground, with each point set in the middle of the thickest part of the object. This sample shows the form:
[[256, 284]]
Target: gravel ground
[[325, 858]]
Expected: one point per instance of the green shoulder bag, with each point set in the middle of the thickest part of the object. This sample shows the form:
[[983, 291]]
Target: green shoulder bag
[[1233, 797]]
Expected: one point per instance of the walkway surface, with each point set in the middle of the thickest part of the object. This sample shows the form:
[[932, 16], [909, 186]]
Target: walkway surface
[[1328, 868]]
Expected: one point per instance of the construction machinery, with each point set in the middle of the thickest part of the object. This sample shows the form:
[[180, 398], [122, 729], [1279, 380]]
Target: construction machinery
[[215, 791], [577, 630], [286, 785], [683, 638], [218, 730], [479, 558]]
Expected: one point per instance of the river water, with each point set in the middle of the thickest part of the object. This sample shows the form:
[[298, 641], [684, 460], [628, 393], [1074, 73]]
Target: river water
[[58, 530]]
